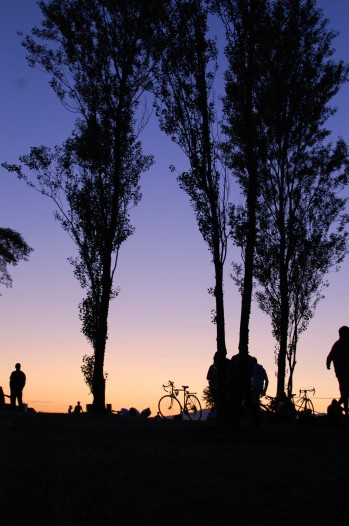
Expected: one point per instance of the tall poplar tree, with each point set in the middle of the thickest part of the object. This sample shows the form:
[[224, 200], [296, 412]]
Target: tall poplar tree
[[96, 54], [301, 219], [276, 118], [186, 110], [244, 22]]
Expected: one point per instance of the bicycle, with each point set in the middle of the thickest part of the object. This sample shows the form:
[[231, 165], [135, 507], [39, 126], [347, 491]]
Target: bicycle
[[303, 403], [170, 407]]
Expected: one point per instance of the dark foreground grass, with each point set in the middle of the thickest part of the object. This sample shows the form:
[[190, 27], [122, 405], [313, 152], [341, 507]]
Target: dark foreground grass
[[108, 470]]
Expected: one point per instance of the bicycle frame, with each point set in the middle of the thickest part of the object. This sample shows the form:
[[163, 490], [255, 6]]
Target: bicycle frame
[[174, 392]]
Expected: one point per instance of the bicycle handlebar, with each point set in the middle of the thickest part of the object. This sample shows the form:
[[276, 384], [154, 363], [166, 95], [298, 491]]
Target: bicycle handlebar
[[175, 389], [305, 391]]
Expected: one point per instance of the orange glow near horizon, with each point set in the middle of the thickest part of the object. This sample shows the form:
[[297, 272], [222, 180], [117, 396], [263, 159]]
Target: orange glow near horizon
[[137, 371]]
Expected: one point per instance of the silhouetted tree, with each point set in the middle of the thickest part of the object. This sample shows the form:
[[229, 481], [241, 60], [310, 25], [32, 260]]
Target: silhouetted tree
[[300, 216], [13, 249], [244, 22], [96, 54], [186, 110]]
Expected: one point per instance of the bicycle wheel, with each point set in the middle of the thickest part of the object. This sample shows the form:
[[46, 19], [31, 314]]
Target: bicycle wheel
[[169, 407], [305, 405], [193, 407]]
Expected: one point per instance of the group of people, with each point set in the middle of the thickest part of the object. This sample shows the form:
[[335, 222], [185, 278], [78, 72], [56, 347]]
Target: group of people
[[77, 409], [133, 412], [17, 383], [235, 383], [241, 381]]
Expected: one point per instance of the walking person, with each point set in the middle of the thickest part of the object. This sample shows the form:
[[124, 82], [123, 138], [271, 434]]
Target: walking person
[[17, 383], [339, 355]]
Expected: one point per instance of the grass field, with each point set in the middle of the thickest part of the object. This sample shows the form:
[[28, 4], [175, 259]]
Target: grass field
[[67, 470]]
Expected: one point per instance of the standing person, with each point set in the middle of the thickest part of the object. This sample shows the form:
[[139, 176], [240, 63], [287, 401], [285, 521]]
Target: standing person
[[239, 386], [339, 355], [212, 377], [217, 378], [78, 409], [17, 383]]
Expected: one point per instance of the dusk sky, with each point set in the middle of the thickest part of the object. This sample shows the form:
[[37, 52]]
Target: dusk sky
[[159, 325]]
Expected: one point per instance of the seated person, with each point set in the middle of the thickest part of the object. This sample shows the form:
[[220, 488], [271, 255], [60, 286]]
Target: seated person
[[335, 414], [2, 397], [285, 410]]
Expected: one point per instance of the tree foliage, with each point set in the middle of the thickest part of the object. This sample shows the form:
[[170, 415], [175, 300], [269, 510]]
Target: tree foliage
[[208, 398], [13, 249]]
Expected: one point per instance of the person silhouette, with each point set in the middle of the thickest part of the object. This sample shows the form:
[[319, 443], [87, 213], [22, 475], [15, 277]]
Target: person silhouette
[[335, 413], [217, 378], [212, 377], [239, 387], [17, 383], [78, 409], [339, 355], [70, 410]]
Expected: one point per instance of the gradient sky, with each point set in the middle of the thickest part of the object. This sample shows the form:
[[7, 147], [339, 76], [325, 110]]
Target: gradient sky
[[159, 326]]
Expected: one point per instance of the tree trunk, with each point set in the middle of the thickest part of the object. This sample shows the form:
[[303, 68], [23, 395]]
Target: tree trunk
[[98, 383], [98, 379], [284, 323], [252, 190], [247, 287], [220, 316], [222, 402], [292, 352], [281, 361]]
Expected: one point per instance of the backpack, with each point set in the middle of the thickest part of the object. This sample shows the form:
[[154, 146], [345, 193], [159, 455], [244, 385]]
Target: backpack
[[259, 375], [212, 376]]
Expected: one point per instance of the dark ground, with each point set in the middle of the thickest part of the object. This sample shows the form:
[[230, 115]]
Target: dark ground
[[59, 469]]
